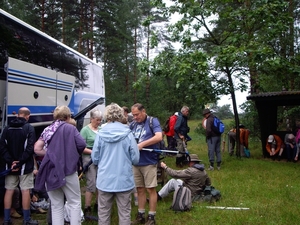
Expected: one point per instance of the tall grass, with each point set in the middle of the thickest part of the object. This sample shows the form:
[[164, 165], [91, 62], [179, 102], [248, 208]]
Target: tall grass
[[270, 189]]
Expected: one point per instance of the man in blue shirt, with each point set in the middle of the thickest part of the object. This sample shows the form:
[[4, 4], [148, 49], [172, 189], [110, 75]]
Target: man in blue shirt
[[147, 134]]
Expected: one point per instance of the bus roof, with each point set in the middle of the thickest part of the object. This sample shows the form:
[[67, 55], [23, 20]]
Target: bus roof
[[45, 35]]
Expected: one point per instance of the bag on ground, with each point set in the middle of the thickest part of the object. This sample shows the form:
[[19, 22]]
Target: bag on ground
[[219, 125], [182, 199], [209, 194]]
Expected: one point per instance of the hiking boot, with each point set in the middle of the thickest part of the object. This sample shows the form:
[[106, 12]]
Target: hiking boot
[[7, 223], [31, 222], [140, 219], [151, 220], [211, 168], [15, 214], [96, 207], [87, 210]]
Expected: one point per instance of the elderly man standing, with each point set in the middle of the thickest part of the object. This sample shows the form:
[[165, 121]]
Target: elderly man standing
[[147, 132], [17, 148], [181, 134]]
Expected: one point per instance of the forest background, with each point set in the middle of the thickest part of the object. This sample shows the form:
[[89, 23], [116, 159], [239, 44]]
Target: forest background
[[213, 48]]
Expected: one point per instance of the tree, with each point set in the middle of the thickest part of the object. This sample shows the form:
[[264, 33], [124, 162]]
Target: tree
[[236, 41]]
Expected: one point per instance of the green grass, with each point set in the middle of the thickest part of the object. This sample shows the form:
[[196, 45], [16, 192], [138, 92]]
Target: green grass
[[270, 189]]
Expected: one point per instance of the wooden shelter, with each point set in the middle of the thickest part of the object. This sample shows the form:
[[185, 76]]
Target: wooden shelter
[[271, 107]]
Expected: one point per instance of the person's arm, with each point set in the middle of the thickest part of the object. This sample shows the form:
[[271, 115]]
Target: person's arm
[[39, 147], [268, 146], [80, 142], [157, 137], [183, 174], [152, 141], [84, 135], [134, 150], [208, 181], [4, 148], [96, 150], [279, 143], [29, 149]]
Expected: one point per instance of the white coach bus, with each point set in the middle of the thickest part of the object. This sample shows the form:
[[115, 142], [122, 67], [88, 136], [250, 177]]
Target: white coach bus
[[39, 72]]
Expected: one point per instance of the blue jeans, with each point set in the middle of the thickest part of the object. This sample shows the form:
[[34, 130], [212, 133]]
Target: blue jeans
[[214, 149], [291, 152]]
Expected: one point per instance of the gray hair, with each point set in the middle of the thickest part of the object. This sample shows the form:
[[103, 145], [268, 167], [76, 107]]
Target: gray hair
[[96, 114], [114, 112], [184, 108]]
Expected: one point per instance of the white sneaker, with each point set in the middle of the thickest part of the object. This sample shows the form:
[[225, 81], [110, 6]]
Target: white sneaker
[[218, 167], [211, 168]]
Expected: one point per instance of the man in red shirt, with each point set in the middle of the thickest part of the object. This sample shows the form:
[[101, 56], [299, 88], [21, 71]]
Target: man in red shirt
[[170, 134]]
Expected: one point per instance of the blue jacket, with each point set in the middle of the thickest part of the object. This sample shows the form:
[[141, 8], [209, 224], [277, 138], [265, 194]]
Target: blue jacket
[[64, 149], [181, 126], [115, 151]]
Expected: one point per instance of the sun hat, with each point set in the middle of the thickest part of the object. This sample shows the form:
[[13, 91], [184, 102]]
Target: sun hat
[[194, 158], [270, 138], [206, 111]]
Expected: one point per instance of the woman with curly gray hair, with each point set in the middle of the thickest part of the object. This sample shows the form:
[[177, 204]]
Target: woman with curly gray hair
[[114, 152]]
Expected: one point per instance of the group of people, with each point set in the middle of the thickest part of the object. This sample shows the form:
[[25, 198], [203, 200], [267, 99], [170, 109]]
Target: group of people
[[275, 146], [120, 163]]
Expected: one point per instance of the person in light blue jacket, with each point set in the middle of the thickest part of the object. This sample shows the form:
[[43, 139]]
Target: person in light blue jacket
[[114, 152]]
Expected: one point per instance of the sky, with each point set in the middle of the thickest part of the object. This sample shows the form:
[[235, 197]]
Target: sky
[[240, 99]]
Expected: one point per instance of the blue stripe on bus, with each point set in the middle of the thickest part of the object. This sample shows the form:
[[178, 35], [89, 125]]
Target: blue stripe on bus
[[38, 76], [38, 84]]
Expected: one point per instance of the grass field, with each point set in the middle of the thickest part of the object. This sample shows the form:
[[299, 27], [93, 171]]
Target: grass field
[[270, 189]]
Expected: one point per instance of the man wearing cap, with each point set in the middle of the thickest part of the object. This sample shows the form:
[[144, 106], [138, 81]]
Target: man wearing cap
[[170, 134], [194, 178], [274, 145], [213, 140], [244, 135]]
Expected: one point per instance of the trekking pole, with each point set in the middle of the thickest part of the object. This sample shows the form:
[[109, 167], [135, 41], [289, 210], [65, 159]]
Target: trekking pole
[[85, 169], [160, 150]]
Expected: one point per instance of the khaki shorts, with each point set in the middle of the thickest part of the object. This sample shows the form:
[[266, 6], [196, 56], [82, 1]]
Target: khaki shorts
[[25, 181], [145, 176], [90, 175]]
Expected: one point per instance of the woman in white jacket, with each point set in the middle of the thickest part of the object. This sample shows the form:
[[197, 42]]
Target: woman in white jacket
[[114, 152]]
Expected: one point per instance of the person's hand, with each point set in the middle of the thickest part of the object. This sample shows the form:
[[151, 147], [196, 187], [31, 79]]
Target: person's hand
[[296, 158], [14, 163], [35, 172], [163, 165]]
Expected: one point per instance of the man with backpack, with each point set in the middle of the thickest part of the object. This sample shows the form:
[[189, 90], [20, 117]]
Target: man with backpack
[[170, 131], [194, 178], [148, 133], [181, 134], [213, 139]]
